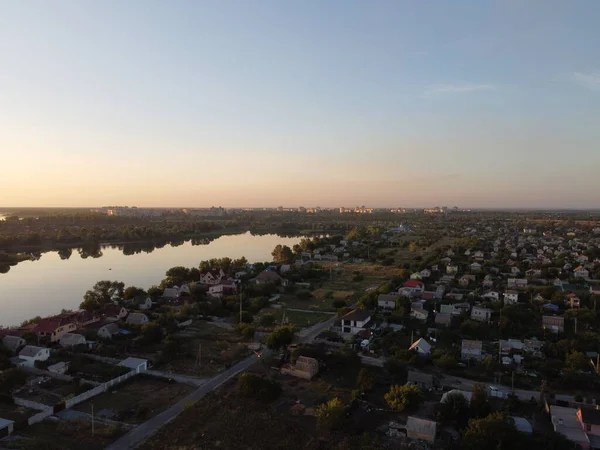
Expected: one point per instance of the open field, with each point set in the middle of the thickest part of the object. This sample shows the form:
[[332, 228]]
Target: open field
[[66, 435], [302, 319], [136, 400], [219, 348]]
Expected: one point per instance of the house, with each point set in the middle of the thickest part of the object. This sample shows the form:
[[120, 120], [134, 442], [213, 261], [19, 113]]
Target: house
[[31, 353], [522, 425], [6, 427], [386, 302], [478, 254], [108, 331], [466, 394], [415, 285], [515, 270], [481, 314], [72, 340], [419, 314], [13, 343], [511, 298], [267, 276], [53, 328], [305, 368], [533, 272], [451, 268], [475, 267], [572, 301], [59, 368], [464, 281], [425, 273], [566, 422], [590, 423], [212, 276], [143, 302], [137, 319], [471, 350], [595, 289], [415, 276], [421, 346], [114, 312], [554, 323], [581, 272], [137, 364], [171, 292], [517, 282], [421, 429], [443, 319], [222, 289], [491, 295], [423, 380], [355, 321], [242, 273]]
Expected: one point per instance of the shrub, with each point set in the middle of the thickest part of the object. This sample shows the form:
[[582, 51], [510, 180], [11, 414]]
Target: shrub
[[258, 388]]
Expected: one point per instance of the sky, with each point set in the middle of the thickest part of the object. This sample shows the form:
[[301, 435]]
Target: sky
[[314, 103]]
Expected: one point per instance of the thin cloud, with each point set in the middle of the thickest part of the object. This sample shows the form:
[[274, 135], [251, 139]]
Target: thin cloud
[[456, 88], [587, 80]]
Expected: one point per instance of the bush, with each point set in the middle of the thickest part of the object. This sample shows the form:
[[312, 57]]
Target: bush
[[258, 388], [358, 277], [339, 303], [404, 398], [267, 320], [330, 415]]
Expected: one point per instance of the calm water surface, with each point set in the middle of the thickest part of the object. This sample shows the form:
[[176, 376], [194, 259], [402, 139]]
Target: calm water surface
[[46, 286]]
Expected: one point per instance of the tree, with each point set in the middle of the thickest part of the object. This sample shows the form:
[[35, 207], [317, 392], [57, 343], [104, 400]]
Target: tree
[[446, 362], [576, 361], [404, 398], [246, 317], [331, 415], [103, 293], [132, 292], [155, 292], [152, 333], [11, 379], [479, 400], [366, 380], [282, 254], [498, 425], [258, 387], [412, 247], [267, 320], [246, 330], [281, 337], [177, 275], [455, 407]]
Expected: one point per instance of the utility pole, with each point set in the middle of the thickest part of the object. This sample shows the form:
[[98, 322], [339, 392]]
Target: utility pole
[[93, 428], [240, 306], [199, 356], [513, 381]]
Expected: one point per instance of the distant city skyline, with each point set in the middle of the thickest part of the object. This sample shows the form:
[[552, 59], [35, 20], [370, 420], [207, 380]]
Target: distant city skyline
[[395, 103]]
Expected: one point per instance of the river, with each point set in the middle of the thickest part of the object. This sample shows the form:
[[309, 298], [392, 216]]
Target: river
[[45, 286]]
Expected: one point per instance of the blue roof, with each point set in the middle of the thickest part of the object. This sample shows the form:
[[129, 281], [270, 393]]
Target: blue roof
[[551, 306], [124, 332]]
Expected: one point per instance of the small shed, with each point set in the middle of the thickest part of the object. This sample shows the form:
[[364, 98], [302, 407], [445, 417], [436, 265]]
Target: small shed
[[417, 428], [138, 364], [523, 425], [6, 427], [59, 368]]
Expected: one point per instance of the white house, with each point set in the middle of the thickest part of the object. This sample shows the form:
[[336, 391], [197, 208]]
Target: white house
[[471, 349], [419, 314], [212, 276], [6, 427], [171, 292], [137, 319], [108, 331], [355, 321], [222, 289], [491, 295], [511, 297], [580, 272], [450, 268], [137, 364], [421, 346], [143, 302], [481, 314], [476, 267], [425, 273], [72, 340], [31, 353], [387, 302]]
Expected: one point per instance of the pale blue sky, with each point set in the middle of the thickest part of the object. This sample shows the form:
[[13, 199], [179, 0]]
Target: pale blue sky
[[242, 103]]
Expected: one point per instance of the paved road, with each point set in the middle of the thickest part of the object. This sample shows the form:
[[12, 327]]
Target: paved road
[[142, 432]]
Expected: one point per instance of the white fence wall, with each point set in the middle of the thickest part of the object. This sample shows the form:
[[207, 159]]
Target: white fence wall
[[40, 416], [31, 404], [98, 389]]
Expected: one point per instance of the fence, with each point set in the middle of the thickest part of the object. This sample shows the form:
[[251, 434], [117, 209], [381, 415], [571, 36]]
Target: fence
[[47, 373], [98, 389], [40, 416], [31, 404]]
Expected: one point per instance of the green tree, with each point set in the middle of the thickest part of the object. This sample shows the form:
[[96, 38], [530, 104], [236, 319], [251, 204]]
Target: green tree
[[258, 387], [267, 320], [132, 292], [412, 247], [103, 293], [497, 426], [454, 408], [404, 398], [366, 380], [152, 333], [331, 415], [281, 337], [155, 292], [480, 405], [576, 361], [282, 254], [246, 330], [11, 379]]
